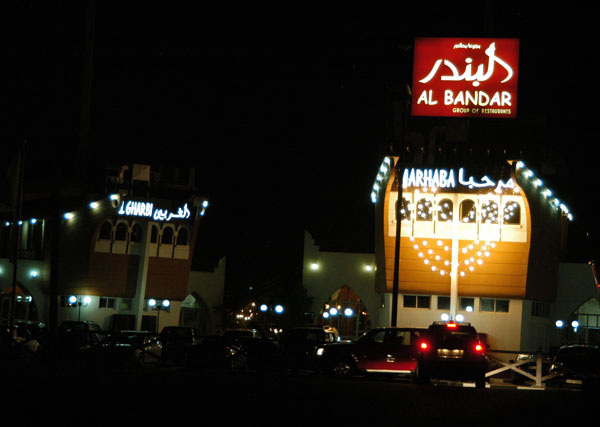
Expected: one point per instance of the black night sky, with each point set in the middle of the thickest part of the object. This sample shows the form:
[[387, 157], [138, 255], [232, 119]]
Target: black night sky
[[282, 110]]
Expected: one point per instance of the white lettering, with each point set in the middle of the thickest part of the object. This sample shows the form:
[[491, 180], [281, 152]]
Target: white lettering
[[439, 178], [479, 76], [477, 98], [146, 209], [443, 178], [427, 98]]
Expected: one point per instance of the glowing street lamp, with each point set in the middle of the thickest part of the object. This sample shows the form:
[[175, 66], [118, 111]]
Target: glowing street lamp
[[79, 302], [155, 305]]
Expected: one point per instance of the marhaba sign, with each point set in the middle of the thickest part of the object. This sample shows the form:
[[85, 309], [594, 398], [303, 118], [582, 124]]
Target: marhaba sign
[[465, 77]]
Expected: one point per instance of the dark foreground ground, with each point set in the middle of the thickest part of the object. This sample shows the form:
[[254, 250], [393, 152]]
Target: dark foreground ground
[[165, 397]]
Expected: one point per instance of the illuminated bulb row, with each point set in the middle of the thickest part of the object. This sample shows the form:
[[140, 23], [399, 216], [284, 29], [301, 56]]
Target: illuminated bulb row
[[384, 170], [546, 192], [483, 251], [430, 257]]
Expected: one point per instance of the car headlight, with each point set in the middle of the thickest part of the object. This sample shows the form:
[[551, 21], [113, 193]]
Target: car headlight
[[320, 351]]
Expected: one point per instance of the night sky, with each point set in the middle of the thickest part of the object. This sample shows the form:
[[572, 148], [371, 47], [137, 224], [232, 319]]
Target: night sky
[[283, 111]]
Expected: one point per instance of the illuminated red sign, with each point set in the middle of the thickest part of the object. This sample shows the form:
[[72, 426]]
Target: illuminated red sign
[[463, 77]]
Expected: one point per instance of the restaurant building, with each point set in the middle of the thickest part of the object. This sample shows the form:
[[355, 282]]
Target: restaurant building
[[482, 244], [122, 259]]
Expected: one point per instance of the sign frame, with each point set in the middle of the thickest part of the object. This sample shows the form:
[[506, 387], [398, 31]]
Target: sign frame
[[465, 77]]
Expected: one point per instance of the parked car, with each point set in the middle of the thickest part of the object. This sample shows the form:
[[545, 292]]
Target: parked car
[[240, 332], [124, 349], [576, 366], [529, 367], [452, 351], [215, 352], [300, 344], [74, 336], [22, 340], [382, 350], [174, 340], [262, 354]]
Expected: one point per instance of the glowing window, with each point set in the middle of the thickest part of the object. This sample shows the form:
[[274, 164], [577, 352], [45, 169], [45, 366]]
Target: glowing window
[[445, 208], [405, 210], [424, 210], [512, 213], [468, 211], [489, 212]]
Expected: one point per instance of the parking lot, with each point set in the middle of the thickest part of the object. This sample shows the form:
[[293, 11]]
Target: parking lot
[[280, 394], [166, 394]]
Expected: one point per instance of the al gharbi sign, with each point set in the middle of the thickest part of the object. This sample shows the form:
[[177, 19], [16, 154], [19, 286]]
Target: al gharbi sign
[[465, 77]]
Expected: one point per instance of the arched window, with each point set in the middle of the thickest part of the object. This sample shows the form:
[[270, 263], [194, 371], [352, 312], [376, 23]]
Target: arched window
[[154, 234], [468, 211], [121, 232], [182, 237], [445, 208], [512, 213], [489, 212], [105, 232], [136, 233], [167, 236], [404, 210], [424, 210]]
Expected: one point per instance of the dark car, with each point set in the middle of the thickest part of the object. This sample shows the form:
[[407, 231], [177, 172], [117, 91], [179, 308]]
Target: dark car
[[262, 354], [300, 344], [452, 351], [22, 340], [74, 336], [215, 352], [174, 340], [576, 366], [124, 349], [381, 350]]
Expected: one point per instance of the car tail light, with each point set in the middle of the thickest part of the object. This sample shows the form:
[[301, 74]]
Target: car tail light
[[479, 348], [424, 345], [452, 325]]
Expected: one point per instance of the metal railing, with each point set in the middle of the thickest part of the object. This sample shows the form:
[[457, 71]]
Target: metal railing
[[534, 359]]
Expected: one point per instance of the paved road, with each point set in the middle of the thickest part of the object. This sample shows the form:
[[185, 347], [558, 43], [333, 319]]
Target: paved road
[[175, 397]]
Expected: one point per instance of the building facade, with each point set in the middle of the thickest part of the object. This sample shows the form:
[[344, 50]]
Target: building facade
[[481, 245], [122, 259]]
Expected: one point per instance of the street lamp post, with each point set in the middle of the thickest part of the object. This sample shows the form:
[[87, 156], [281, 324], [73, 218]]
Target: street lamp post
[[73, 300], [154, 305]]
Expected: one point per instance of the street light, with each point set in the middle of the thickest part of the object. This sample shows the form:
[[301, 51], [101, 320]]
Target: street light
[[154, 305], [74, 300]]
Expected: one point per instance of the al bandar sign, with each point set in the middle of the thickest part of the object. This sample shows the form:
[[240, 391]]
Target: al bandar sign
[[465, 77]]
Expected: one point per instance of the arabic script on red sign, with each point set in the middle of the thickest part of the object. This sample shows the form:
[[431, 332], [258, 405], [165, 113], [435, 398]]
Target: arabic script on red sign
[[462, 77]]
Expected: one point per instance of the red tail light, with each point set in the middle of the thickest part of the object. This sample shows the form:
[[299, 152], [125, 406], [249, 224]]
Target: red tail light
[[451, 325], [478, 348], [424, 345]]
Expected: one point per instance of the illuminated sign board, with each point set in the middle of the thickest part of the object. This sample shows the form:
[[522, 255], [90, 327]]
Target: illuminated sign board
[[450, 178], [464, 77], [148, 210]]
